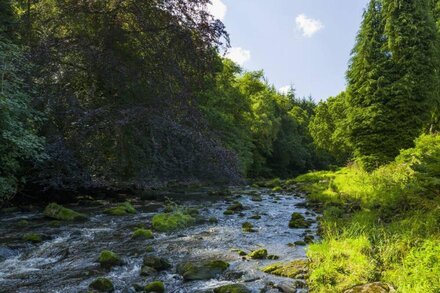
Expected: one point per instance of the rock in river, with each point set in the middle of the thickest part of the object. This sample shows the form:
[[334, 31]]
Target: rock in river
[[204, 270]]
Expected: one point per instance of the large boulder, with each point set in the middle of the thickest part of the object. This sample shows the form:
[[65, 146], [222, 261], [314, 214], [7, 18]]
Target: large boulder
[[58, 212], [204, 270]]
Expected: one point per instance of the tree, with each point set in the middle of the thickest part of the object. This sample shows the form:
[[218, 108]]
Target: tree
[[19, 122], [415, 50], [328, 128], [368, 80]]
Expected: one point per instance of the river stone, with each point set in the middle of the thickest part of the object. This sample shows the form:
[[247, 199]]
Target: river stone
[[122, 209], [58, 212], [204, 270], [248, 227], [258, 254], [234, 288], [294, 269], [156, 286], [142, 234], [33, 237], [157, 263], [298, 221], [109, 259], [102, 285], [167, 222], [376, 287], [147, 271]]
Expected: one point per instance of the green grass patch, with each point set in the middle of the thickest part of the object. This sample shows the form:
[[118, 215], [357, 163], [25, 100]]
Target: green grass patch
[[382, 225]]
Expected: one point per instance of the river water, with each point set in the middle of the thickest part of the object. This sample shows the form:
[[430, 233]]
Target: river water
[[66, 261]]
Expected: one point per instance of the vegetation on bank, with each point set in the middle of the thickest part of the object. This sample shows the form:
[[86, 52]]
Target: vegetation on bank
[[379, 226], [136, 110]]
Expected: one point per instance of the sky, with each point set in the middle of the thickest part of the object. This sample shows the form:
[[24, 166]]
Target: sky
[[301, 43]]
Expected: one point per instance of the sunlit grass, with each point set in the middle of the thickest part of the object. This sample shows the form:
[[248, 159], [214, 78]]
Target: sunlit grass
[[379, 226]]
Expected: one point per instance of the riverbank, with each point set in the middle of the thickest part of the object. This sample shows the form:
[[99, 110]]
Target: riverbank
[[382, 226]]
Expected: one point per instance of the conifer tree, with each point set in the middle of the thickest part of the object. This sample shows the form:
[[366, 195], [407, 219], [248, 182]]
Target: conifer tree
[[414, 46], [368, 79], [392, 79]]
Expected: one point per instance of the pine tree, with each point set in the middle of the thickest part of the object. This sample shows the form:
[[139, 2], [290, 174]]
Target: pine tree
[[368, 79], [414, 46], [392, 79]]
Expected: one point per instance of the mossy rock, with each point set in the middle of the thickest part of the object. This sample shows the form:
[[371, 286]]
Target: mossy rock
[[156, 286], [273, 257], [142, 234], [298, 221], [257, 197], [277, 189], [23, 223], [148, 271], [33, 237], [300, 243], [167, 222], [55, 223], [204, 270], [155, 262], [248, 227], [229, 212], [236, 206], [292, 269], [240, 252], [213, 220], [234, 288], [102, 285], [309, 239], [58, 212], [108, 259], [193, 212], [258, 254], [122, 209], [149, 248]]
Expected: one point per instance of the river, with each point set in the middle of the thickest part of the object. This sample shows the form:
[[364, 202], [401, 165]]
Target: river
[[66, 260]]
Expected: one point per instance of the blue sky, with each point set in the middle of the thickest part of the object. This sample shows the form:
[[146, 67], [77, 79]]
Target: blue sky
[[304, 43]]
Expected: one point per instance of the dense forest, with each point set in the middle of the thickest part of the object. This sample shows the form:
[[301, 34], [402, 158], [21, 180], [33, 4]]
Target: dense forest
[[127, 96]]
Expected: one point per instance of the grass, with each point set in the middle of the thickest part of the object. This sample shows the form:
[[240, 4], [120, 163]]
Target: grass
[[379, 226]]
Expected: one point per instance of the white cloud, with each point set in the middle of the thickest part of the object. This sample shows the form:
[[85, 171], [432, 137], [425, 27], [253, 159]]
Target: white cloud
[[217, 9], [285, 89], [239, 55], [308, 26]]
